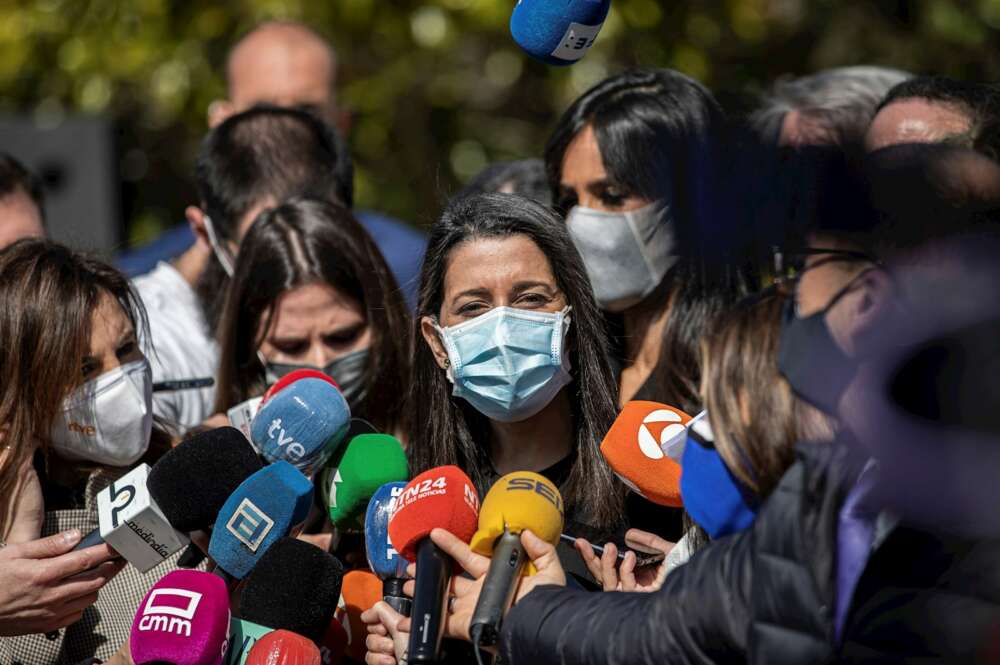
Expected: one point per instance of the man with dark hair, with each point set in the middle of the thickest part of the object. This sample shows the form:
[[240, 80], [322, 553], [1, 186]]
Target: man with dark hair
[[933, 109], [251, 161], [21, 203]]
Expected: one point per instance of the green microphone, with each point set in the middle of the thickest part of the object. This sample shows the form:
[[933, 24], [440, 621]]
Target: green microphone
[[355, 472]]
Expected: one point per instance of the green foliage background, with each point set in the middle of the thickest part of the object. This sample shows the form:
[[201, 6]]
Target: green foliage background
[[437, 88]]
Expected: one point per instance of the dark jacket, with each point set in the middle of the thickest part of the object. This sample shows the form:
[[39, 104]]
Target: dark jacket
[[767, 595]]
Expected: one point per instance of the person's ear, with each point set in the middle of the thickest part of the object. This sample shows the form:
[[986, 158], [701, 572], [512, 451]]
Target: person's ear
[[867, 309], [433, 340], [218, 111], [196, 220]]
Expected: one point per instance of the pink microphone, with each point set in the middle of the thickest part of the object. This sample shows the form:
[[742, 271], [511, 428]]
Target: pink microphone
[[183, 620]]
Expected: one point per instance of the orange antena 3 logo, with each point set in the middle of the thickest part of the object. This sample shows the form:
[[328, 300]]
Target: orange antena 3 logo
[[650, 445]]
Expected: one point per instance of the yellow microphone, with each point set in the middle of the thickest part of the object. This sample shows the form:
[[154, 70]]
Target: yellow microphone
[[518, 501]]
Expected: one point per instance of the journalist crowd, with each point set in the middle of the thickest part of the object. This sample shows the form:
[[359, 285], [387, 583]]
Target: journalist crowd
[[689, 385]]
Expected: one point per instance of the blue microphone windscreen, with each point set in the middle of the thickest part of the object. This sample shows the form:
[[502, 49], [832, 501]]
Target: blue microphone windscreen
[[557, 32], [383, 558], [302, 424], [262, 510]]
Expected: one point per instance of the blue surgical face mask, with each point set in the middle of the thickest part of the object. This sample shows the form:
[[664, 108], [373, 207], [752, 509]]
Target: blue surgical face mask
[[508, 363], [713, 496]]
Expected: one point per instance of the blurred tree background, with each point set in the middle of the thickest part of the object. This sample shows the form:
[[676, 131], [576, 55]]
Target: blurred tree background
[[437, 88]]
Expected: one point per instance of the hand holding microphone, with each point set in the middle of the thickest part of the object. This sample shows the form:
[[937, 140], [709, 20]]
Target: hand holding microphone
[[440, 497], [46, 585]]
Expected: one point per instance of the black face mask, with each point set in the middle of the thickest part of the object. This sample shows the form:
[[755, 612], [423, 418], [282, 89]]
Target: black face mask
[[809, 358]]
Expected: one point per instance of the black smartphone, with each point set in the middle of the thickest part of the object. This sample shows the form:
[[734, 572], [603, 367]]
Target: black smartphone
[[642, 559]]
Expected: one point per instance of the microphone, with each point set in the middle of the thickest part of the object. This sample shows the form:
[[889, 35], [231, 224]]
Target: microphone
[[295, 586], [295, 375], [183, 620], [442, 497], [360, 591], [302, 424], [383, 558], [557, 32], [145, 514], [242, 415], [283, 647], [263, 509], [130, 520], [518, 501], [636, 448], [355, 471]]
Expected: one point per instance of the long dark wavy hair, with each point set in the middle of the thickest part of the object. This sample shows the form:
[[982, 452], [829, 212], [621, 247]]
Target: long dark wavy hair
[[299, 242], [447, 430], [662, 136]]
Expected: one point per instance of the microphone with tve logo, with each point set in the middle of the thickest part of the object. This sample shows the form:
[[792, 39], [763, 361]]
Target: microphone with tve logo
[[283, 647], [518, 501], [302, 424], [183, 620], [557, 32], [295, 586], [639, 446], [383, 558], [355, 471], [442, 497], [263, 509], [241, 416]]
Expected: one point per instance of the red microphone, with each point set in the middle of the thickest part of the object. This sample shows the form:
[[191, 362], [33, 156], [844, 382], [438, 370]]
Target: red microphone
[[333, 646], [294, 376], [283, 647], [639, 448], [440, 498]]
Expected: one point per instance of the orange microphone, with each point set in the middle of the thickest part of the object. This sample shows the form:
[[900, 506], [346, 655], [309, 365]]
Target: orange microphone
[[283, 647], [638, 448], [359, 592], [445, 498]]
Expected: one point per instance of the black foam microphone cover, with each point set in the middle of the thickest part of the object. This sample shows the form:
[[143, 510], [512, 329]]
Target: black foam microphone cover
[[295, 586], [191, 482]]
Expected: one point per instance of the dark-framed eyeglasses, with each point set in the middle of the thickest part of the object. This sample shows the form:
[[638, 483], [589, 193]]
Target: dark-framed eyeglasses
[[790, 265]]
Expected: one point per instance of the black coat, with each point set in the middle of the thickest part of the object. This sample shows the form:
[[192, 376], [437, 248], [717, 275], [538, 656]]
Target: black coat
[[767, 595]]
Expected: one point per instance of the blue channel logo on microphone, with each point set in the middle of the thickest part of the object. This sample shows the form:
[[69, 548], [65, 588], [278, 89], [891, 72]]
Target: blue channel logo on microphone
[[250, 525]]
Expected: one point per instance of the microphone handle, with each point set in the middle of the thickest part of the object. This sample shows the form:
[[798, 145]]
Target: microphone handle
[[506, 565], [429, 599], [392, 593], [91, 539]]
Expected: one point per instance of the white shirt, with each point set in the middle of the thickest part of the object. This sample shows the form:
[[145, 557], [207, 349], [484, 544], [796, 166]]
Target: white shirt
[[182, 345]]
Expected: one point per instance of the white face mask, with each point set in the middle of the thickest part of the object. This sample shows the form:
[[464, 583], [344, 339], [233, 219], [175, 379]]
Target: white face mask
[[626, 253], [108, 420]]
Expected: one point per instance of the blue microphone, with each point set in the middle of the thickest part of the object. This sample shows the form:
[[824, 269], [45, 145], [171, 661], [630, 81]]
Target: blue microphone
[[383, 558], [262, 510], [557, 32], [302, 424]]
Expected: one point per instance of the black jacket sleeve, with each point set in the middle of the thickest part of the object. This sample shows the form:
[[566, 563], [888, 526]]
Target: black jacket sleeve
[[699, 616]]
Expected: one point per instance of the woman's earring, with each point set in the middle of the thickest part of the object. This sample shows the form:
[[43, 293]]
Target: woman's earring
[[447, 363]]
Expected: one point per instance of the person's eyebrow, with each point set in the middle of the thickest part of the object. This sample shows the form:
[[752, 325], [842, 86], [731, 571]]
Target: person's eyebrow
[[472, 293]]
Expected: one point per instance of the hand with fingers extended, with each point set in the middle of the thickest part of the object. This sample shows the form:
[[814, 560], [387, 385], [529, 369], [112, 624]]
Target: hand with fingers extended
[[44, 585], [386, 642], [627, 577], [465, 592]]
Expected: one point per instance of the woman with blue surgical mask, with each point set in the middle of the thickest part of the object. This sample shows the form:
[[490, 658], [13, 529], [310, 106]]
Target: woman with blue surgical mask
[[510, 364], [311, 290]]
